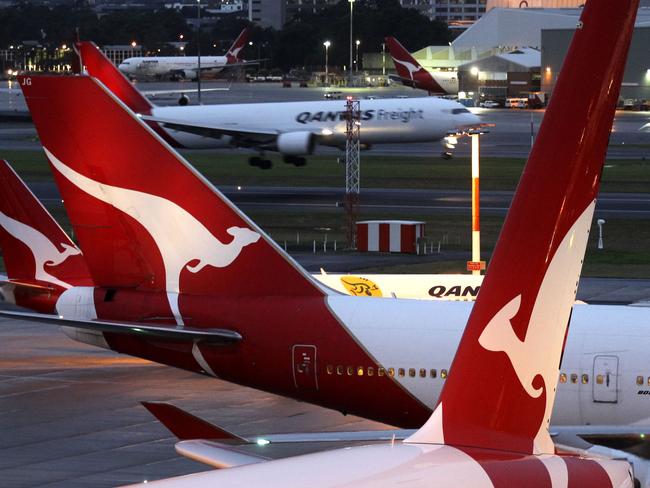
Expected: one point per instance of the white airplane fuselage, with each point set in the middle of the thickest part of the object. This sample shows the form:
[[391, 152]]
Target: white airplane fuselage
[[383, 121], [166, 65]]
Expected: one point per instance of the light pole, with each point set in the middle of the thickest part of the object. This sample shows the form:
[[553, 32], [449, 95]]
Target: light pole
[[198, 50], [356, 57], [327, 45], [351, 19], [383, 59], [600, 223]]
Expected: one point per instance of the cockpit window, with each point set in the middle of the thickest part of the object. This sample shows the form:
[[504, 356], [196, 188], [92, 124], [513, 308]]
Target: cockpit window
[[457, 111]]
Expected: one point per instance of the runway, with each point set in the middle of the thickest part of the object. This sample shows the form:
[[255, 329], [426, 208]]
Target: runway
[[381, 200], [510, 135]]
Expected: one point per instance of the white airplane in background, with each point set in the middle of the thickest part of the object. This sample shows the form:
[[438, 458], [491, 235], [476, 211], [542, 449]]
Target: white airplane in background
[[185, 67], [293, 129]]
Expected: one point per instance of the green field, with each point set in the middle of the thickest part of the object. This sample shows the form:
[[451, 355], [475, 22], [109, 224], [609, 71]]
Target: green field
[[626, 240]]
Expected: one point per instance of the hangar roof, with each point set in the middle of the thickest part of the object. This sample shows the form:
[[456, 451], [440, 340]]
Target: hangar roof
[[517, 27]]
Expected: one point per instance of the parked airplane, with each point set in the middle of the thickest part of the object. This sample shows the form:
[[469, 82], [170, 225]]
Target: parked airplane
[[293, 129], [413, 74], [179, 256], [186, 67], [490, 426]]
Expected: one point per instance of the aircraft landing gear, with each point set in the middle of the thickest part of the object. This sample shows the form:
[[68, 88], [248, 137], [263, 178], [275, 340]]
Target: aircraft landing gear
[[295, 160], [260, 162], [446, 155]]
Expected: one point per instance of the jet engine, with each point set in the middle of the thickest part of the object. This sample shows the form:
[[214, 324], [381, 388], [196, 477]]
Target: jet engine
[[296, 143]]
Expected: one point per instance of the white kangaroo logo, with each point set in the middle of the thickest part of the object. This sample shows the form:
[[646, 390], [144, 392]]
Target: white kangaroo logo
[[540, 351], [412, 69], [45, 253], [179, 236]]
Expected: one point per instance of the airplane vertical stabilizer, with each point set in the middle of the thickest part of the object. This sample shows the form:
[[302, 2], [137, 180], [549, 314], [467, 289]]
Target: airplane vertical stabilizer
[[502, 382]]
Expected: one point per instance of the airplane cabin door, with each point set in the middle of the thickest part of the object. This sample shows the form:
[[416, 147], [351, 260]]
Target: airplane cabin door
[[304, 367], [605, 379]]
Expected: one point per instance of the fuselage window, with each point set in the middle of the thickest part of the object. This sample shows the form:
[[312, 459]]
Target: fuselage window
[[423, 373], [574, 378], [434, 373], [639, 380], [350, 370], [443, 373], [371, 371], [585, 379], [391, 372], [400, 371], [330, 369], [563, 378], [412, 372], [360, 371], [381, 372], [600, 379], [339, 370]]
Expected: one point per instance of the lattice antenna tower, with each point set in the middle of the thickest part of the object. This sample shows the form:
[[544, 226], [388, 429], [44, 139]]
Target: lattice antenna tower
[[352, 168]]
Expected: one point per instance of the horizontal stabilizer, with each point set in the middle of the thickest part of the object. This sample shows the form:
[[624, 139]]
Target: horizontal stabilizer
[[186, 426], [215, 454], [213, 336]]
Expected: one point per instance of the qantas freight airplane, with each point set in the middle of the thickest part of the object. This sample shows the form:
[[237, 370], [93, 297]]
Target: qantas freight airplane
[[293, 129], [490, 425], [413, 74], [185, 66]]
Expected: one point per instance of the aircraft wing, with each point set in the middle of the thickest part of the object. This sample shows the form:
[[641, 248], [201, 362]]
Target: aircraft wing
[[242, 136], [216, 336], [154, 93]]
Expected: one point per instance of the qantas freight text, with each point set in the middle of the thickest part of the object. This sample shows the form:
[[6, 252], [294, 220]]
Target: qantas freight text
[[381, 114]]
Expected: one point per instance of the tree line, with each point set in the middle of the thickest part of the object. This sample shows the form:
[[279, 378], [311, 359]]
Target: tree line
[[298, 44]]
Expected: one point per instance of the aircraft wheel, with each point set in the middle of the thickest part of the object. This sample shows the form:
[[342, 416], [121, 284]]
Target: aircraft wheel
[[446, 155], [265, 164], [299, 162], [254, 161]]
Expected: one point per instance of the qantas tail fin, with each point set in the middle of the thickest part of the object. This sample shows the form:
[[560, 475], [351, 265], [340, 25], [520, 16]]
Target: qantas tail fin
[[233, 53], [411, 73], [99, 66], [143, 215], [501, 387], [36, 251]]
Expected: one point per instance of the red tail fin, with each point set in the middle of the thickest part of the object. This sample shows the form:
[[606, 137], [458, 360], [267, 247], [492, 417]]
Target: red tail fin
[[501, 387], [405, 64], [100, 67], [162, 224], [35, 249], [233, 53]]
